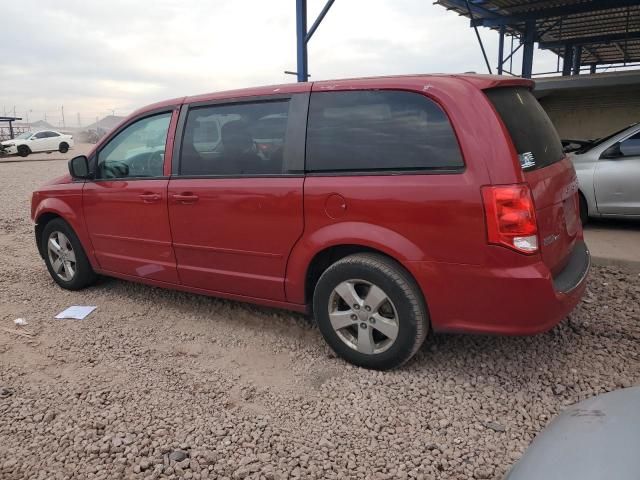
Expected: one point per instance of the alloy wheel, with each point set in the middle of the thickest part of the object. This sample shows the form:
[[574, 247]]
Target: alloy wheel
[[363, 316], [61, 256]]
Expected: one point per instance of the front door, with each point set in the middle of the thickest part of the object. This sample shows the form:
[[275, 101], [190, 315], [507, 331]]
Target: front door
[[617, 178], [125, 207], [235, 202]]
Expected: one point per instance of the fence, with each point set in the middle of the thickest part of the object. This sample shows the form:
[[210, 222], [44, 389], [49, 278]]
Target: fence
[[17, 130]]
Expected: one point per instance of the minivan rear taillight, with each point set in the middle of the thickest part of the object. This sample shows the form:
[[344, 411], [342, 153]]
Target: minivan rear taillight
[[511, 217]]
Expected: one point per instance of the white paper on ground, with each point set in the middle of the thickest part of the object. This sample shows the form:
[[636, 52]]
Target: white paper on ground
[[76, 312]]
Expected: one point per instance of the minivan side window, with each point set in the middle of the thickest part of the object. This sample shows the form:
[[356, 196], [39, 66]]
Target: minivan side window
[[235, 139], [137, 151], [379, 130]]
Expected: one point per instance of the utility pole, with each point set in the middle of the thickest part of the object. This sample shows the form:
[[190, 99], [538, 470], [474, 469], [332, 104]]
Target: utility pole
[[14, 111], [303, 36], [78, 119], [27, 115], [62, 110], [45, 116]]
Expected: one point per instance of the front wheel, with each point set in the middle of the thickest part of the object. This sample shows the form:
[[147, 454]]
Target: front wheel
[[64, 147], [23, 150], [65, 258], [370, 311]]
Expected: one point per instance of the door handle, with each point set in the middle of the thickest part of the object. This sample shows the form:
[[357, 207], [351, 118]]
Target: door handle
[[185, 198], [149, 197]]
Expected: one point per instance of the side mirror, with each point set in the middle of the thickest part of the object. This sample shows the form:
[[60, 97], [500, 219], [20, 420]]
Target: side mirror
[[79, 167]]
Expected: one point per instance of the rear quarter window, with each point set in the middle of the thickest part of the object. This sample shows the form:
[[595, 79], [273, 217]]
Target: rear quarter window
[[379, 130], [532, 133]]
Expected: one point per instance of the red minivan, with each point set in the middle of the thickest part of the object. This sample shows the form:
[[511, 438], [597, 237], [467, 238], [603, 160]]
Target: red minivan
[[385, 207]]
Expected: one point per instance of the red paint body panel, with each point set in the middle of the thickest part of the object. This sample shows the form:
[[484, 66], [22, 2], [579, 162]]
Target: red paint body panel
[[251, 92], [130, 235], [501, 299], [254, 239], [555, 195], [406, 216], [171, 138], [212, 293], [63, 198], [236, 237]]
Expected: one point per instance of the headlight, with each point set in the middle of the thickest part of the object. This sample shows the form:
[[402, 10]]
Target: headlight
[[9, 144]]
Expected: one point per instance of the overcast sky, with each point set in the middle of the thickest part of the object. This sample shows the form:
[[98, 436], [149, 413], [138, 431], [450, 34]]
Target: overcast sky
[[95, 56]]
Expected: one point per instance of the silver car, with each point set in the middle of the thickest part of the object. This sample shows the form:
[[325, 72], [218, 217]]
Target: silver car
[[595, 439], [609, 174]]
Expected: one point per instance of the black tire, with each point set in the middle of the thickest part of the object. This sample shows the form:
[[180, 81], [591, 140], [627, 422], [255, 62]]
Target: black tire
[[23, 150], [64, 147], [84, 274], [404, 295], [584, 210]]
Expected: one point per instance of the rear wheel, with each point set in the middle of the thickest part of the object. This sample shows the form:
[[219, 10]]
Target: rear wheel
[[64, 147], [370, 311], [65, 258], [23, 150], [584, 210]]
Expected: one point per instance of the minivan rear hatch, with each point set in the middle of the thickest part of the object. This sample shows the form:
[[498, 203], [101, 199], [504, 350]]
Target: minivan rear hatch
[[546, 169]]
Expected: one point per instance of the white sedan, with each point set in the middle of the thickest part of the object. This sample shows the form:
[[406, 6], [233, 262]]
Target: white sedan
[[41, 141]]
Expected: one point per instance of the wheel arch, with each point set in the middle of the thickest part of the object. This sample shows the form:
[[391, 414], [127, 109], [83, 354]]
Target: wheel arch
[[51, 208], [338, 240], [41, 222], [327, 257]]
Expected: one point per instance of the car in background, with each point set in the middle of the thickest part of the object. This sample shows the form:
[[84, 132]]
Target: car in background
[[608, 172], [40, 141], [595, 439]]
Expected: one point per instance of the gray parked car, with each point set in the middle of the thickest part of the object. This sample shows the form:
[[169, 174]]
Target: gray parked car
[[595, 439], [609, 175]]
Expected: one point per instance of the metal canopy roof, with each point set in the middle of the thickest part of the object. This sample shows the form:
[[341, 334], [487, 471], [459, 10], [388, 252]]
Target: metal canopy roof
[[608, 31]]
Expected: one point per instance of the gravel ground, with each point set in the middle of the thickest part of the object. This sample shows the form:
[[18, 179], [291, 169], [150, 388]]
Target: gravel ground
[[160, 384]]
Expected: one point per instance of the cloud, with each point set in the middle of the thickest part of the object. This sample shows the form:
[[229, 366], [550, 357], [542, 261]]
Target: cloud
[[93, 57]]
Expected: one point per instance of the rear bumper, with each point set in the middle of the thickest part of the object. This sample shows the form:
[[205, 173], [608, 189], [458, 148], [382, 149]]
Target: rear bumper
[[507, 301], [576, 270]]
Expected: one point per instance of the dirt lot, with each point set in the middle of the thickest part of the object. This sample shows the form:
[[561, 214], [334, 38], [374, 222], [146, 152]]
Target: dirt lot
[[163, 384]]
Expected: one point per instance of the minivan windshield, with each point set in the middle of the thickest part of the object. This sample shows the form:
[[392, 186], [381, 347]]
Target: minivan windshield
[[534, 136]]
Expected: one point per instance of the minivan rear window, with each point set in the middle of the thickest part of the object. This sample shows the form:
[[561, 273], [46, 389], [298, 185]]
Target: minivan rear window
[[534, 136], [379, 130]]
